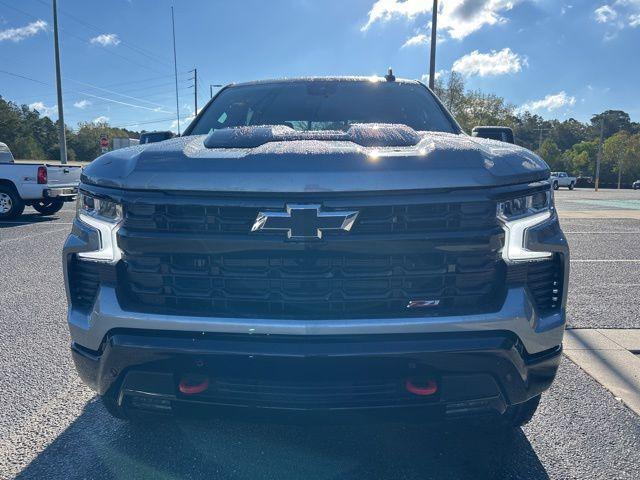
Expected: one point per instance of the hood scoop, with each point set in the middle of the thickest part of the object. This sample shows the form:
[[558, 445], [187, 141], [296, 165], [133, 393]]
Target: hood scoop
[[363, 134]]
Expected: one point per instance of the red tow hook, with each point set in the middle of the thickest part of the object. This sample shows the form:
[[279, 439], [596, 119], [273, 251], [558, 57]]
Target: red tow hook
[[423, 387], [193, 384]]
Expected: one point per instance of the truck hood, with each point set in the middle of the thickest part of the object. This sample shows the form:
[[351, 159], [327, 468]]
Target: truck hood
[[386, 158]]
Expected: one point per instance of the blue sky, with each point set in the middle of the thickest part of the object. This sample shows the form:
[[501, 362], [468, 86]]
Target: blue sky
[[559, 58]]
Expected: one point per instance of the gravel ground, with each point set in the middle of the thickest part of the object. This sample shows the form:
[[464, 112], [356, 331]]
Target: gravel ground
[[51, 426]]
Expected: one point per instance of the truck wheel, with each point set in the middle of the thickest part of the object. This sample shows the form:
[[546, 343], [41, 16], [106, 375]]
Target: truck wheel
[[11, 205], [571, 185], [48, 207], [555, 186], [519, 415]]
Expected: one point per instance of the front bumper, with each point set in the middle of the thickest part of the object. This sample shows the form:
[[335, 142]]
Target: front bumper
[[475, 372]]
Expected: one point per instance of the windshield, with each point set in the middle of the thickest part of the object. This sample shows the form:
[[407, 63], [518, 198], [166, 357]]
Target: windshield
[[324, 105]]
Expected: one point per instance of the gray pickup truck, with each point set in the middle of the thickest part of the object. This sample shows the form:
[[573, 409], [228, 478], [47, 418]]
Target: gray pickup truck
[[319, 245]]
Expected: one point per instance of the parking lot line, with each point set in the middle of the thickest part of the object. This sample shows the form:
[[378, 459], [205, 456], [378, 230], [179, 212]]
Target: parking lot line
[[48, 232], [604, 260]]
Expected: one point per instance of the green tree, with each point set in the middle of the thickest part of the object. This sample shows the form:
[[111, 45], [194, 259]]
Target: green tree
[[551, 154], [614, 121], [621, 157]]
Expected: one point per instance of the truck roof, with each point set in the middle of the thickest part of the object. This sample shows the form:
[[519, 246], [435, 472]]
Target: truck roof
[[326, 79]]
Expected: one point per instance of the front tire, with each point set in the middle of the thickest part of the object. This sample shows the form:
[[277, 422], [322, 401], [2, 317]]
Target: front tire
[[556, 186], [11, 205], [48, 207]]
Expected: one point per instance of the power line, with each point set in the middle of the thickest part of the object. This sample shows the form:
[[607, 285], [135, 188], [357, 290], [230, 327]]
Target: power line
[[83, 40], [124, 103], [142, 51], [106, 90], [25, 77], [150, 122]]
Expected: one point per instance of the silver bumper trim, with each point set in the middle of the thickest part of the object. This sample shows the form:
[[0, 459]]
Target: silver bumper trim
[[517, 315], [60, 192]]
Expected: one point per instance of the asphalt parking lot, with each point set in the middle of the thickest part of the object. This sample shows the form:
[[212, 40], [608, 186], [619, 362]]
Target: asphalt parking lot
[[51, 426]]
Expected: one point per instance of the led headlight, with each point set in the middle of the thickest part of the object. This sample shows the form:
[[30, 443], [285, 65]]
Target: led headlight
[[105, 217], [519, 214]]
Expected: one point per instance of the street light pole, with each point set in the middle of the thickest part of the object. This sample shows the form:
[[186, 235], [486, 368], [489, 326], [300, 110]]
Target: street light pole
[[175, 68], [434, 36], [195, 89], [599, 158], [62, 135]]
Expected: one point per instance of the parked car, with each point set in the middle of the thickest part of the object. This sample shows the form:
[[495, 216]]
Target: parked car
[[562, 179], [153, 137], [636, 185], [343, 246], [43, 186], [503, 134]]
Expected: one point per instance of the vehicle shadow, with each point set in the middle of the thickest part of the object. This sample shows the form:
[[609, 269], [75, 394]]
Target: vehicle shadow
[[96, 446]]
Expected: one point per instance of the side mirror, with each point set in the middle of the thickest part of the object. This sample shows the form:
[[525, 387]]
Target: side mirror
[[502, 134], [153, 137]]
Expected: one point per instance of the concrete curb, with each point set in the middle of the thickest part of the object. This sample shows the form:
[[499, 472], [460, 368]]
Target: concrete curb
[[606, 355]]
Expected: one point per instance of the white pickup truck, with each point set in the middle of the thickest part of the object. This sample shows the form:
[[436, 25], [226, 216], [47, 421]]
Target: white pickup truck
[[44, 187], [562, 179]]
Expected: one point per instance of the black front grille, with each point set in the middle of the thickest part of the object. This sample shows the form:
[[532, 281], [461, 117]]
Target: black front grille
[[201, 258], [313, 285], [84, 280], [412, 218]]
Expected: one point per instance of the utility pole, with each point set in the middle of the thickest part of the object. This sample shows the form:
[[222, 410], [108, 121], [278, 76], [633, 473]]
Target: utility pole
[[62, 135], [175, 68], [434, 36], [195, 88], [211, 89], [599, 158], [541, 130]]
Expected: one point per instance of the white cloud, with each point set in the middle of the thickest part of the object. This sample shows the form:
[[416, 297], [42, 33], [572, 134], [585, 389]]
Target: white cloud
[[419, 39], [106, 39], [458, 18], [605, 14], [18, 34], [82, 104], [385, 10], [43, 109], [439, 74], [184, 121], [618, 15], [101, 119], [485, 64], [550, 102]]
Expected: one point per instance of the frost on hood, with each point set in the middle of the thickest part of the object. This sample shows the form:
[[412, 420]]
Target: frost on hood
[[363, 134]]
